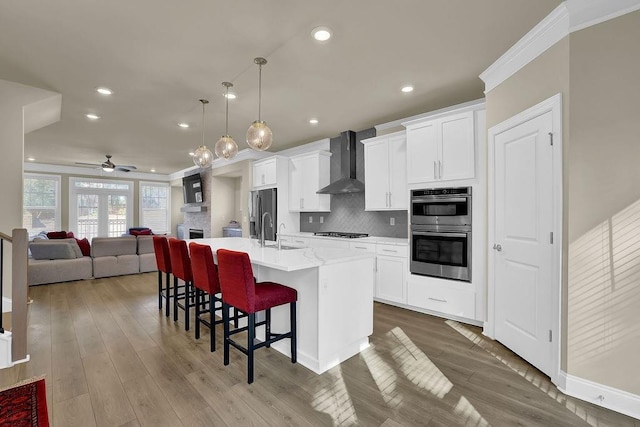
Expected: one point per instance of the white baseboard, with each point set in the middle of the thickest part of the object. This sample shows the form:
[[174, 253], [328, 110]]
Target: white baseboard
[[7, 305], [601, 395]]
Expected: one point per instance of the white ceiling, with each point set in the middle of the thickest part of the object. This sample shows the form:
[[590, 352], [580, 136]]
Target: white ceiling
[[159, 57]]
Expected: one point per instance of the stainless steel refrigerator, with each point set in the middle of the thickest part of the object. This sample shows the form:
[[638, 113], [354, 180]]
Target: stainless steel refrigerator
[[261, 201]]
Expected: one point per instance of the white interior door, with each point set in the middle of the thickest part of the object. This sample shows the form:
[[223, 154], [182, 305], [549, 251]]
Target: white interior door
[[522, 239]]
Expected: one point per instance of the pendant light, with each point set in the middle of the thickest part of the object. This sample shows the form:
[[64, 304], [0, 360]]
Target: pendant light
[[259, 136], [203, 157], [226, 148]]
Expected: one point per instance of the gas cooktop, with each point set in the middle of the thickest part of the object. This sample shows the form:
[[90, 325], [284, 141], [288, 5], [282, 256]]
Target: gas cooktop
[[340, 234]]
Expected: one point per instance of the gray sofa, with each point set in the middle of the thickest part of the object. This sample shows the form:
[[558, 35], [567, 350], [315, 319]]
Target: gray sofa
[[60, 260]]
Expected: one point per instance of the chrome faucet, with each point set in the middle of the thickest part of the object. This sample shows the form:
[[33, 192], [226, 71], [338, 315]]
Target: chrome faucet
[[279, 233], [264, 215]]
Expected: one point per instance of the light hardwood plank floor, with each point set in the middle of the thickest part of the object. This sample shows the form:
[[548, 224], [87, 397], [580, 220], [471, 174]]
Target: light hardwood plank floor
[[111, 358]]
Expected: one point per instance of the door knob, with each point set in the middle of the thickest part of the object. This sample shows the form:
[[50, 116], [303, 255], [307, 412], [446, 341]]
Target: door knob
[[497, 247]]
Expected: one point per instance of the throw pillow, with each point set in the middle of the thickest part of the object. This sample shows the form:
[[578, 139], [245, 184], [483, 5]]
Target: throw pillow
[[41, 236], [85, 246], [57, 235], [48, 249], [70, 235], [146, 232]]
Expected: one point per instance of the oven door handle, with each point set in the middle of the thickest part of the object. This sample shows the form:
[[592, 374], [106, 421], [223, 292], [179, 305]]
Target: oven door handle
[[437, 234], [439, 198]]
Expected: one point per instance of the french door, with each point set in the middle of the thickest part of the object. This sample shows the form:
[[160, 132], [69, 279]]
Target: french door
[[100, 208]]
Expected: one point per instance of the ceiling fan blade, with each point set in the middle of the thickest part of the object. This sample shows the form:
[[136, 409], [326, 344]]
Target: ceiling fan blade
[[126, 167], [97, 165]]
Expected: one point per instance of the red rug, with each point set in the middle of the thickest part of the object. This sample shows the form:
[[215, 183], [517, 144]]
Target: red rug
[[24, 405]]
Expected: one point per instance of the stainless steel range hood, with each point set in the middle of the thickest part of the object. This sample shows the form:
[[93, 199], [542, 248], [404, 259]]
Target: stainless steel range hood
[[347, 182]]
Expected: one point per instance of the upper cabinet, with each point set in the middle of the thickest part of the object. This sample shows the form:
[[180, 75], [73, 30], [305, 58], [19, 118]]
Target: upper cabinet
[[309, 173], [441, 147], [265, 173], [385, 172]]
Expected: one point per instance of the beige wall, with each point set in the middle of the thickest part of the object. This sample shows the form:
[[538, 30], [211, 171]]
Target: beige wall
[[604, 204], [229, 196], [596, 70], [13, 98]]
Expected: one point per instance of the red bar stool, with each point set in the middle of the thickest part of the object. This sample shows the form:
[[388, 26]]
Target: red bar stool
[[163, 260], [240, 290], [181, 266], [205, 280]]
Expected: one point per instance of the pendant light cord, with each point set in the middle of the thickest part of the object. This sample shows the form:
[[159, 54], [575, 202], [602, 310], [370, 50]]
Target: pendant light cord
[[204, 102], [226, 123], [259, 91]]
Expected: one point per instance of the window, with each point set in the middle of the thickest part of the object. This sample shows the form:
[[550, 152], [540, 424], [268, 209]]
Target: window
[[155, 206], [41, 203], [100, 208]]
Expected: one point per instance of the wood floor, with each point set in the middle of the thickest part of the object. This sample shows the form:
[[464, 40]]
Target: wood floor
[[111, 358]]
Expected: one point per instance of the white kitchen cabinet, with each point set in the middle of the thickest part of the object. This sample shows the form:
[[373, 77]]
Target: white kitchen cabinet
[[265, 173], [441, 149], [309, 173], [385, 172], [442, 296], [391, 273]]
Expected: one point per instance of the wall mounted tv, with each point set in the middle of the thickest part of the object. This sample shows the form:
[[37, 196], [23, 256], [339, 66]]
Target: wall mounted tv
[[192, 189]]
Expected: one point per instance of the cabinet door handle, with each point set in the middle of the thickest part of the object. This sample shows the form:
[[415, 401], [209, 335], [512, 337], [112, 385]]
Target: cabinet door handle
[[440, 169], [302, 203], [437, 299], [389, 199], [359, 247], [435, 173], [390, 250]]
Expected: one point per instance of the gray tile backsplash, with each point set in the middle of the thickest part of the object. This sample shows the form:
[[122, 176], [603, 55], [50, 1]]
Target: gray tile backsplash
[[348, 214], [347, 210]]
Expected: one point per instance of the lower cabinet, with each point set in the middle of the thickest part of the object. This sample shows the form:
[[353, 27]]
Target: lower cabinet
[[443, 297]]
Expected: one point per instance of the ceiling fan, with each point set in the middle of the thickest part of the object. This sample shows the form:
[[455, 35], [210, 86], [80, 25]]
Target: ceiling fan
[[109, 166]]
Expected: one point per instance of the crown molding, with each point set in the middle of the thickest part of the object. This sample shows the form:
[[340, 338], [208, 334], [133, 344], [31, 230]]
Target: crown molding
[[553, 28], [569, 16], [584, 14], [88, 171]]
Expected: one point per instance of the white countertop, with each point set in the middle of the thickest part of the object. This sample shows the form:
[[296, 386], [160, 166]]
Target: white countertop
[[286, 259], [370, 239]]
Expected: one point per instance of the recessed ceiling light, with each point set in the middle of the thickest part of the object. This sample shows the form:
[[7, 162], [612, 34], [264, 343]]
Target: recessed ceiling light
[[31, 159], [313, 121], [230, 96], [153, 170], [191, 153], [183, 125], [322, 34], [92, 116], [407, 89], [104, 91]]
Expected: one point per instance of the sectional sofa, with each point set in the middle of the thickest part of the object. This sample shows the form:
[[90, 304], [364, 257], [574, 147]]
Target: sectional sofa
[[61, 260]]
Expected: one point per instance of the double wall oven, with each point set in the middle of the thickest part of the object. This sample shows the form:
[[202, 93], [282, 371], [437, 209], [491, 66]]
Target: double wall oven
[[441, 233]]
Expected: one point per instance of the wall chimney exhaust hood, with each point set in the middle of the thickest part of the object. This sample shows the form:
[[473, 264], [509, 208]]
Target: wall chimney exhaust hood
[[347, 182]]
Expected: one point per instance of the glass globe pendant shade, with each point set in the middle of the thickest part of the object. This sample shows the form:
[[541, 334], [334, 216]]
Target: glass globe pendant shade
[[259, 136], [202, 157], [226, 148]]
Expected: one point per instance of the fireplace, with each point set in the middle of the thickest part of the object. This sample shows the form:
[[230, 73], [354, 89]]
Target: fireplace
[[196, 233]]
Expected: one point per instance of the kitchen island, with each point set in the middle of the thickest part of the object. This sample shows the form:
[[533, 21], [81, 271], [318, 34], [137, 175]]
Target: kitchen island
[[335, 297]]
